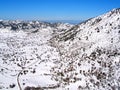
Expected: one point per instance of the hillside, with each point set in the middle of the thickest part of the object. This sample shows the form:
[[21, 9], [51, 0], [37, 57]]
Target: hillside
[[44, 56]]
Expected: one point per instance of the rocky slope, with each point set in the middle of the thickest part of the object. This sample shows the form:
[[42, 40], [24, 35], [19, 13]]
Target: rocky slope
[[44, 56], [90, 54]]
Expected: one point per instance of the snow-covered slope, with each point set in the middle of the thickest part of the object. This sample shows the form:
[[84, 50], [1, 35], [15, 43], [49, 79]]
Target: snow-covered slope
[[90, 54], [44, 56], [26, 58]]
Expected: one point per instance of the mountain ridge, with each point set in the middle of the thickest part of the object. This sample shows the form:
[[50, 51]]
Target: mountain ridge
[[44, 56]]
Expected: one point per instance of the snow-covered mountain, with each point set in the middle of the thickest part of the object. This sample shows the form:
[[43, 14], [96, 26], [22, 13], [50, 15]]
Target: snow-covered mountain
[[44, 56], [27, 25], [90, 54]]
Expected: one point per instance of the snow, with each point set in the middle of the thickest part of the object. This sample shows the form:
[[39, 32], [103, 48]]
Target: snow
[[89, 59]]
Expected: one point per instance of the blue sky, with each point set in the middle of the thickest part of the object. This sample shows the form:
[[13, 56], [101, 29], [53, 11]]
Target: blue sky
[[55, 9]]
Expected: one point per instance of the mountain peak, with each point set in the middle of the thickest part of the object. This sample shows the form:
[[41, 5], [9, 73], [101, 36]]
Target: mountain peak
[[116, 10]]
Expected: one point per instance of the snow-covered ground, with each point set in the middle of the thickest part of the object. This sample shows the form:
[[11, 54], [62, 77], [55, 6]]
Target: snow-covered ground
[[44, 56], [28, 54]]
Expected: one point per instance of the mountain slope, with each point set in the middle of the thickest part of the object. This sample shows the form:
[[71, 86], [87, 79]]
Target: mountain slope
[[90, 54], [26, 57], [44, 56]]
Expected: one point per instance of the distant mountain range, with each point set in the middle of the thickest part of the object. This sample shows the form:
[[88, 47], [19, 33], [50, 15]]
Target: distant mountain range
[[65, 21], [38, 55]]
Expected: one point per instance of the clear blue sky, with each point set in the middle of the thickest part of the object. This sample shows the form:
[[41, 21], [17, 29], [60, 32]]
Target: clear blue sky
[[55, 9]]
